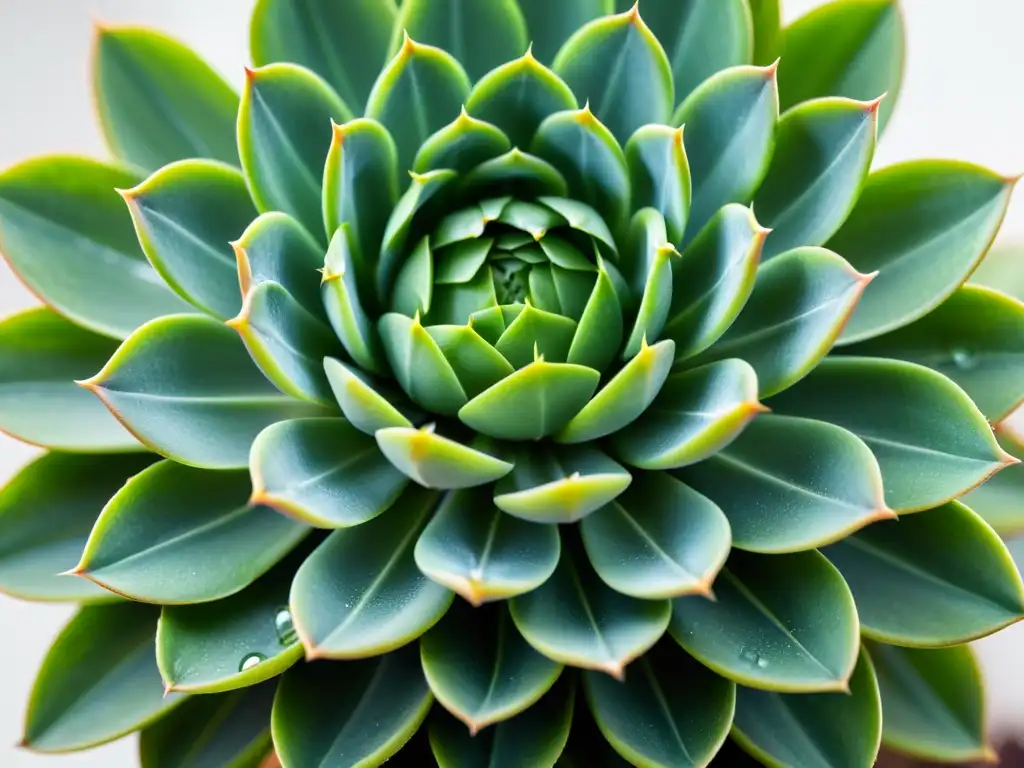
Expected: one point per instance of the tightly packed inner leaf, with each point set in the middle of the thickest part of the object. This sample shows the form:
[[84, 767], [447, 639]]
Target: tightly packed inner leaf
[[554, 399]]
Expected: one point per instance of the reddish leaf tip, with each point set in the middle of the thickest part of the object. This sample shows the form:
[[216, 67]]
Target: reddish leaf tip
[[616, 669], [250, 74], [91, 384], [408, 44], [872, 106], [772, 70]]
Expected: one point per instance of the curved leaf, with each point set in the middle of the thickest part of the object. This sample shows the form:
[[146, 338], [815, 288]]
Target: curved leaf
[[414, 284], [65, 233], [284, 134], [800, 303], [416, 94], [599, 334], [998, 499], [477, 364], [652, 721], [930, 453], [823, 151], [767, 17], [186, 215], [659, 539], [360, 593], [365, 408], [463, 144], [946, 214], [98, 682], [727, 166], [186, 370], [158, 101], [344, 306], [434, 461], [617, 65], [171, 521], [357, 713], [825, 730], [322, 472], [780, 623], [575, 619], [419, 365], [475, 549], [913, 591], [515, 173], [696, 414], [535, 333], [41, 357], [46, 513], [550, 25], [350, 57], [863, 59], [659, 175], [656, 302]]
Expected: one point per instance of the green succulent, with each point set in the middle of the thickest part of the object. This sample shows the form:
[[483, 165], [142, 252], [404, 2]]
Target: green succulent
[[507, 383]]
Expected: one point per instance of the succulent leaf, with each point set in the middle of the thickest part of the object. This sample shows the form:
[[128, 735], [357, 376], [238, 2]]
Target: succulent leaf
[[435, 461], [659, 176], [361, 402], [767, 18]]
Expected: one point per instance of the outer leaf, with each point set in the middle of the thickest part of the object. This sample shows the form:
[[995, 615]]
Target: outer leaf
[[434, 461], [659, 539], [825, 730], [186, 215], [696, 414], [46, 513], [461, 145], [701, 38], [350, 57], [170, 521], [480, 668], [913, 591], [228, 731], [323, 472], [358, 713], [65, 233], [420, 365], [232, 643], [41, 356], [475, 549], [284, 137], [576, 619], [455, 27], [945, 213], [863, 60], [98, 681], [360, 593], [822, 155], [363, 405], [535, 738], [651, 720], [158, 101], [619, 67], [930, 453], [599, 334], [727, 166], [997, 500], [181, 371], [932, 702], [767, 17], [416, 94], [659, 175], [780, 622], [551, 25], [800, 303], [713, 279]]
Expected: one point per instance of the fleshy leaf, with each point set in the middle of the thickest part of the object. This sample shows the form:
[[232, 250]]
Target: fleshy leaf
[[98, 682], [551, 24], [659, 175], [997, 500], [360, 593], [416, 94], [481, 669], [323, 472], [66, 234], [913, 590], [658, 539], [779, 623], [823, 151], [419, 365], [656, 301], [475, 549], [186, 370], [477, 364], [932, 702], [617, 65], [653, 720], [434, 461], [358, 713], [463, 144], [824, 485], [515, 173], [349, 57], [929, 454], [695, 415], [940, 216], [600, 330], [535, 332], [170, 521], [46, 513], [767, 17], [863, 59], [158, 101], [186, 216], [362, 403]]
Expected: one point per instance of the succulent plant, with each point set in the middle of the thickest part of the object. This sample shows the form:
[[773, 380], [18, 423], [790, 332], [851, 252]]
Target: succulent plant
[[557, 409]]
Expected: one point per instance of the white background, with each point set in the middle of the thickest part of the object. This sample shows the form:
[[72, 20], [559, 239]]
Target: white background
[[962, 98]]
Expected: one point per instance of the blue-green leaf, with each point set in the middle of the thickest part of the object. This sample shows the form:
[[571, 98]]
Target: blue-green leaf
[[659, 176], [435, 461]]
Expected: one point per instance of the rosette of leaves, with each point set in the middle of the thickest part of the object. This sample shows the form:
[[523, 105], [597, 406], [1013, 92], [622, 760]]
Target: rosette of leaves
[[508, 383]]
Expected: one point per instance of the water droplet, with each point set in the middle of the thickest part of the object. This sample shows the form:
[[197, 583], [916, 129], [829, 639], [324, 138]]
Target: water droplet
[[753, 658], [285, 626], [251, 660], [962, 359], [762, 662]]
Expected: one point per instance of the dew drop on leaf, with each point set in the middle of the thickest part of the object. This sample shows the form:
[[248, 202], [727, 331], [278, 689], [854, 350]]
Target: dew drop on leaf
[[285, 627], [962, 359], [250, 660]]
